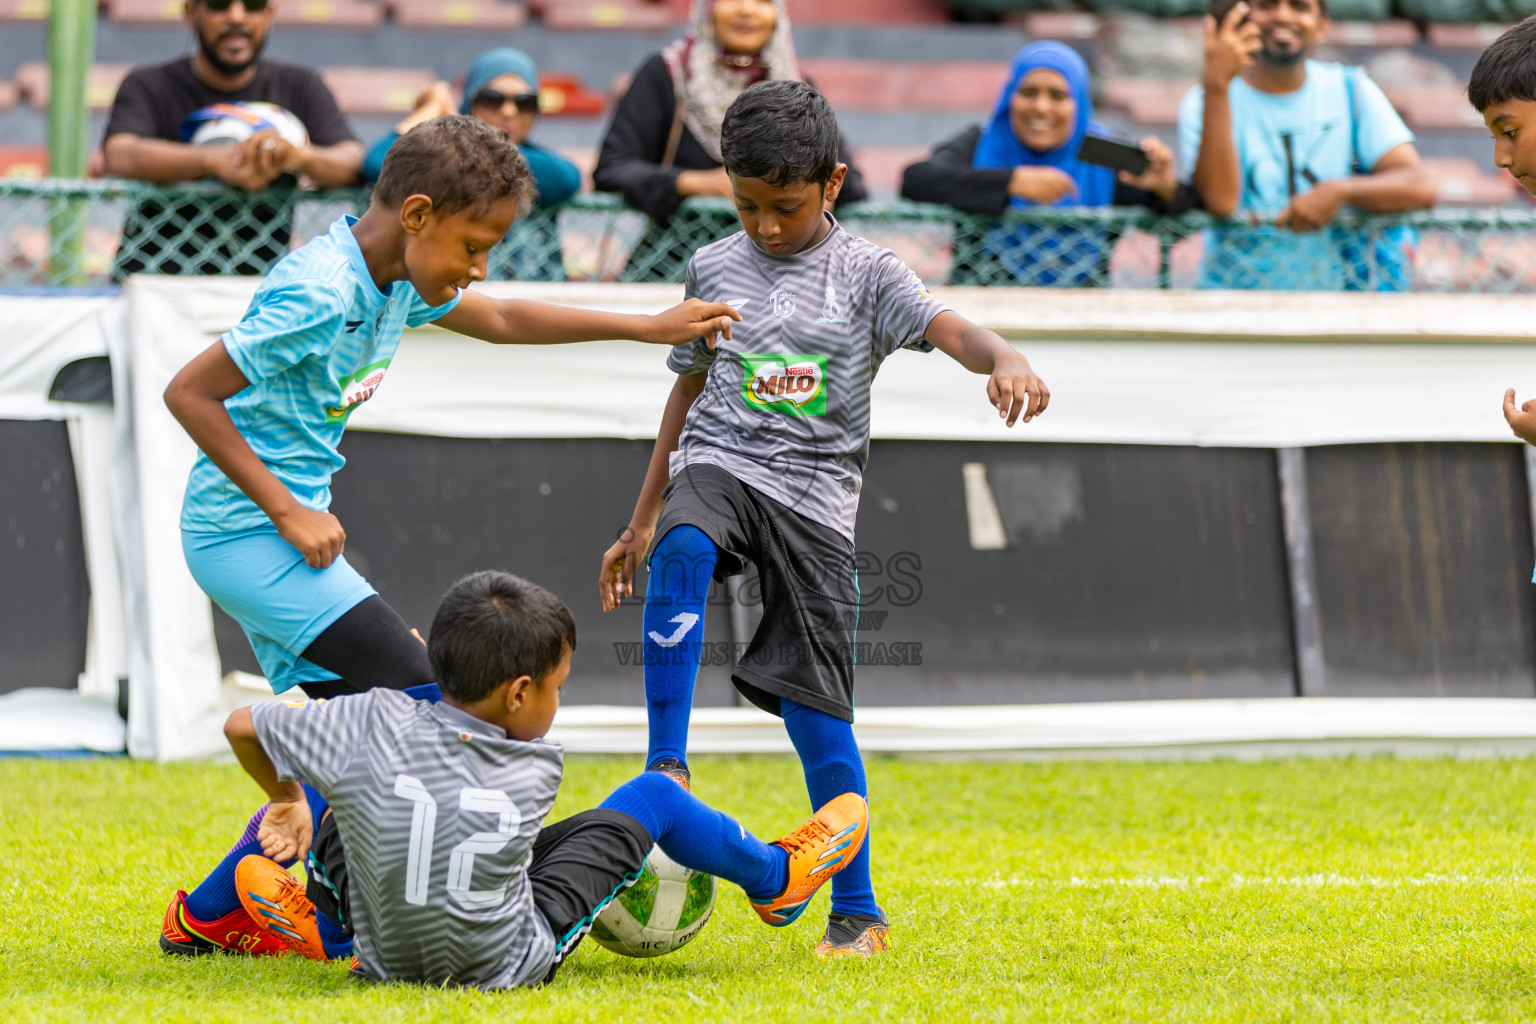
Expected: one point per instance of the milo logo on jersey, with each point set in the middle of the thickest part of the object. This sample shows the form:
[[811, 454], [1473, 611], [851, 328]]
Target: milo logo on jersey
[[357, 389], [788, 384]]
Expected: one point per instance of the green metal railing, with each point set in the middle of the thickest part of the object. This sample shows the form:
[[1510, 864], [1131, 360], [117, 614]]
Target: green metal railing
[[95, 232]]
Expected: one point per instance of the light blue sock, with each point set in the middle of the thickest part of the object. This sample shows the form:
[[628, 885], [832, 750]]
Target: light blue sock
[[833, 767], [673, 627], [699, 837]]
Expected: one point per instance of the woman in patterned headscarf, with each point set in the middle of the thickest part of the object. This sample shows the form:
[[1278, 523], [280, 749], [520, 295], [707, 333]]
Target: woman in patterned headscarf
[[664, 142]]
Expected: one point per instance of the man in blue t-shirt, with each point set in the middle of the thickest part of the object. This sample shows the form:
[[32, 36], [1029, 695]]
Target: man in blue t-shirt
[[1284, 142]]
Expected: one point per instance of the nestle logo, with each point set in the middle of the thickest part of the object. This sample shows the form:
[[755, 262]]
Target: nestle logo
[[800, 371]]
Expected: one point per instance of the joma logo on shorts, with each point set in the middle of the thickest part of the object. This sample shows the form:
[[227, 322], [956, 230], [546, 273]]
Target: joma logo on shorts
[[795, 385]]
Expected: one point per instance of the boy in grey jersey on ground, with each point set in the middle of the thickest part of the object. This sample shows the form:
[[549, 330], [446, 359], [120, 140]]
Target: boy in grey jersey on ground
[[761, 451], [432, 852]]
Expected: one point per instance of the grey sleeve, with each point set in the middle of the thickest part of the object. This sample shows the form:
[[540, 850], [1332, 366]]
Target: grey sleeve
[[903, 306], [691, 356], [314, 741]]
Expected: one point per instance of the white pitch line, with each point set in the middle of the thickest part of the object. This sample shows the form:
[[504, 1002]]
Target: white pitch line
[[1330, 881]]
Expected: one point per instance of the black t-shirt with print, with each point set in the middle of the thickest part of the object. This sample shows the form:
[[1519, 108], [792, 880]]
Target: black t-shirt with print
[[240, 236]]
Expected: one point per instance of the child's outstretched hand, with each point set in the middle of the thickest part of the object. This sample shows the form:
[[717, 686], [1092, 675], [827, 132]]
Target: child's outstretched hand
[[286, 829], [690, 319], [1013, 389], [318, 535], [1521, 420], [616, 581]]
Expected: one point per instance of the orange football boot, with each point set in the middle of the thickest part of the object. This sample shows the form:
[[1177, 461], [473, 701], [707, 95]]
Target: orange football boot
[[819, 849], [275, 900]]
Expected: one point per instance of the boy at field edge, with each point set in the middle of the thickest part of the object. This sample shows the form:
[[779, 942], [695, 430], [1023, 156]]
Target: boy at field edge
[[761, 451], [1503, 89], [267, 404], [432, 852]]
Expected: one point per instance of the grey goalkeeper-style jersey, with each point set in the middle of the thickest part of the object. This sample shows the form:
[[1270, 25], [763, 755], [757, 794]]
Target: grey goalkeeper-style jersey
[[785, 408], [437, 811]]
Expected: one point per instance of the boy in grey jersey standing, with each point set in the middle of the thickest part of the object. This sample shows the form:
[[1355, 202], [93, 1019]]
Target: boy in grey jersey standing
[[761, 451], [432, 853]]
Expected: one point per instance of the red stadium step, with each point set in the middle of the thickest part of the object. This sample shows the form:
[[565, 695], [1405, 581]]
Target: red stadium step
[[960, 86], [868, 12], [23, 161], [23, 10], [146, 12], [1384, 34], [349, 14], [100, 84], [377, 90], [1434, 106], [1464, 37], [1147, 100], [1461, 180], [882, 166], [1067, 26], [608, 14], [566, 95], [472, 15]]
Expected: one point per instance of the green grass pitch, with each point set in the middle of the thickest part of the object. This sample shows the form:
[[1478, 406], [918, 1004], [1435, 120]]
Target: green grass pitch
[[1327, 890]]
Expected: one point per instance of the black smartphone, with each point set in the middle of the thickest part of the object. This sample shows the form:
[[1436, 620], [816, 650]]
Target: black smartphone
[[1114, 154]]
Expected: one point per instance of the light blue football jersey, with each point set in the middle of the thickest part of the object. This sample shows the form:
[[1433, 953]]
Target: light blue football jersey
[[314, 343]]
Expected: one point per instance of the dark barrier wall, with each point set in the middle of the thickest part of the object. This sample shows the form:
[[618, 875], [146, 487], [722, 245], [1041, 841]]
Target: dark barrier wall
[[44, 591], [1423, 569], [1130, 571]]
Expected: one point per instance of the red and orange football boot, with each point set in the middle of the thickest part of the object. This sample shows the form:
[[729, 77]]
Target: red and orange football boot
[[181, 934], [275, 900], [819, 849]]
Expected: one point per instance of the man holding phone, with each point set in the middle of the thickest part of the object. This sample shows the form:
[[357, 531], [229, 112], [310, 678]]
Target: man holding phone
[[144, 140], [1284, 141]]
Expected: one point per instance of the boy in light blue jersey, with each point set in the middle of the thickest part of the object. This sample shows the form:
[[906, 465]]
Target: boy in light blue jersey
[[268, 402]]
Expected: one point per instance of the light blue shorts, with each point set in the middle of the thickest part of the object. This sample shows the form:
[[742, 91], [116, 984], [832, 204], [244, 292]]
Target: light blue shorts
[[281, 603]]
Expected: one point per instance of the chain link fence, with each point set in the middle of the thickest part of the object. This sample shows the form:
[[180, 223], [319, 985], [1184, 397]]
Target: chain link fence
[[96, 232]]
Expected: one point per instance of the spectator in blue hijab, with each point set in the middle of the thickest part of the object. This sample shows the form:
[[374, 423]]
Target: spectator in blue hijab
[[1026, 156], [502, 88]]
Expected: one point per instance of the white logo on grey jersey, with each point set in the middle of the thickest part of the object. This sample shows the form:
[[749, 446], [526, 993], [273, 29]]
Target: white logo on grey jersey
[[831, 312], [783, 302]]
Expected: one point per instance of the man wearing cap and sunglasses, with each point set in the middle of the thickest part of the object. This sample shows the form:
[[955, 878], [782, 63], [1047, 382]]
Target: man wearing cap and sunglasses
[[145, 132]]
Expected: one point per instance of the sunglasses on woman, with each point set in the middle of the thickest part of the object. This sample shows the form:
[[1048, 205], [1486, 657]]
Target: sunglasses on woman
[[527, 102]]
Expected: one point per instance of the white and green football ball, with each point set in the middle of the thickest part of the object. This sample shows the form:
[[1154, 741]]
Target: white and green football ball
[[666, 907]]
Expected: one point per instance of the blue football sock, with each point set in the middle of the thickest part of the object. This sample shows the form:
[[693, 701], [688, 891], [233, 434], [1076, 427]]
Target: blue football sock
[[215, 895], [699, 837], [833, 767], [333, 937], [673, 627]]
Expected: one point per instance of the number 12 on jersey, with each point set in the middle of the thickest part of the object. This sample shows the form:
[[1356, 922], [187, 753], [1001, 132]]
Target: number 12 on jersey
[[461, 862]]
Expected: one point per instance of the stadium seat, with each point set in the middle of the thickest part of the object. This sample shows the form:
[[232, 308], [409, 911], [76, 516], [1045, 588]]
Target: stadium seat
[[145, 12], [1067, 26], [868, 12], [482, 15], [1372, 33], [968, 86], [1434, 106], [565, 95], [608, 14], [882, 166], [1464, 37], [100, 85], [1461, 180], [377, 90], [330, 13], [23, 10], [23, 161], [1146, 100]]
